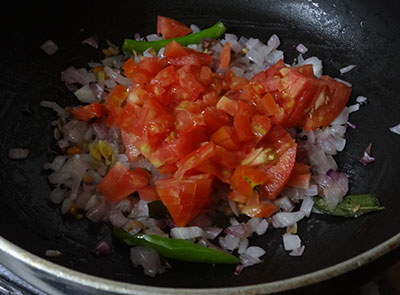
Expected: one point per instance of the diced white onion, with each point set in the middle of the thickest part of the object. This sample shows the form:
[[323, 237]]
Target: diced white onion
[[298, 251], [291, 242], [262, 227], [285, 219], [395, 129], [187, 233], [255, 251], [85, 94], [347, 69], [307, 205]]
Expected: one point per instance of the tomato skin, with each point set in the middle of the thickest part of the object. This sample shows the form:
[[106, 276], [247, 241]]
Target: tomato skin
[[260, 210], [171, 28], [226, 137], [185, 198], [148, 193], [195, 158], [245, 179], [88, 112], [328, 103], [225, 56], [149, 64], [300, 176], [174, 49], [129, 140], [120, 182], [280, 169], [165, 77], [242, 124]]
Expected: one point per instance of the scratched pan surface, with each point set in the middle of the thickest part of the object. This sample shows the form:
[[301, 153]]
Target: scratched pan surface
[[365, 33]]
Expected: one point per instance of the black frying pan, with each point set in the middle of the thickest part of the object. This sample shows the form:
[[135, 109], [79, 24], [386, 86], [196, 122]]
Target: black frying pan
[[365, 33]]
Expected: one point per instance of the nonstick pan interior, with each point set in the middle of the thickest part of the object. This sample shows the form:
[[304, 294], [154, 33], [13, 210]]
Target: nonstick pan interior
[[365, 33]]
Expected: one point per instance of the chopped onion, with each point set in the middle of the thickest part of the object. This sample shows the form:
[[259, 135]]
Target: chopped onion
[[334, 186], [154, 37], [92, 41], [307, 205], [116, 77], [237, 230], [247, 260], [194, 28], [251, 225], [49, 47], [317, 65], [243, 245], [231, 242], [354, 108], [344, 82], [342, 118], [18, 153], [284, 203], [148, 258], [140, 210], [55, 107], [395, 129], [285, 219], [85, 94], [301, 48], [291, 242], [367, 157], [298, 251], [274, 41], [212, 232], [262, 227], [255, 251], [187, 233], [232, 205], [361, 99], [117, 218], [238, 270], [102, 248], [347, 69], [57, 195]]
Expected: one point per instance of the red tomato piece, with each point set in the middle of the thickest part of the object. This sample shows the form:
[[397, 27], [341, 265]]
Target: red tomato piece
[[268, 105], [120, 182], [246, 178], [165, 77], [300, 177], [260, 210], [148, 193], [186, 198], [149, 64], [90, 111], [226, 137], [327, 104], [270, 78], [129, 140], [193, 159], [242, 124], [214, 118], [229, 106], [113, 103], [222, 173], [187, 121], [280, 165], [260, 125], [225, 157], [170, 28], [225, 56], [174, 49], [129, 66]]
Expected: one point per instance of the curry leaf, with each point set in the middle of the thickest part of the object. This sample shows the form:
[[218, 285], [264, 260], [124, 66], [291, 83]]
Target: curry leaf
[[350, 206]]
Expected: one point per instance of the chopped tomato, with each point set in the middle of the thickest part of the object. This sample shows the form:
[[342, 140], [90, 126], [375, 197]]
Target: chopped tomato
[[129, 66], [225, 56], [120, 182], [129, 140], [214, 118], [328, 103], [90, 111], [148, 193], [194, 159], [226, 137], [280, 163], [262, 209], [300, 177], [245, 179], [149, 64], [185, 198], [260, 125], [242, 124], [174, 49], [113, 103], [224, 157], [165, 77], [170, 28]]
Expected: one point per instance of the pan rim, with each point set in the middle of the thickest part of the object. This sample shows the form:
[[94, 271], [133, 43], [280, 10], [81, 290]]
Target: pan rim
[[115, 287]]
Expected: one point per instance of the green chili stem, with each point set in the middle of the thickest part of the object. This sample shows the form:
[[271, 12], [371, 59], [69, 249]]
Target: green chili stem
[[213, 32], [176, 248]]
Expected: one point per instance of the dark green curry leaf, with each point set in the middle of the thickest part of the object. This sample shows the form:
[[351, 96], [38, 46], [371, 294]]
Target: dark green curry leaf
[[350, 206]]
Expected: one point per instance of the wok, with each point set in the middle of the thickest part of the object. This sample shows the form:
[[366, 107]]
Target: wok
[[365, 33]]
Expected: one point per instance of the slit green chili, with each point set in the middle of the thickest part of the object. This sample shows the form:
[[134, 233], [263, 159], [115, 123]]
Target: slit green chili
[[213, 32], [176, 248]]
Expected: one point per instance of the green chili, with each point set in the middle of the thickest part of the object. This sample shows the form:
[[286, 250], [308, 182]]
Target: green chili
[[213, 32], [350, 206], [176, 248]]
